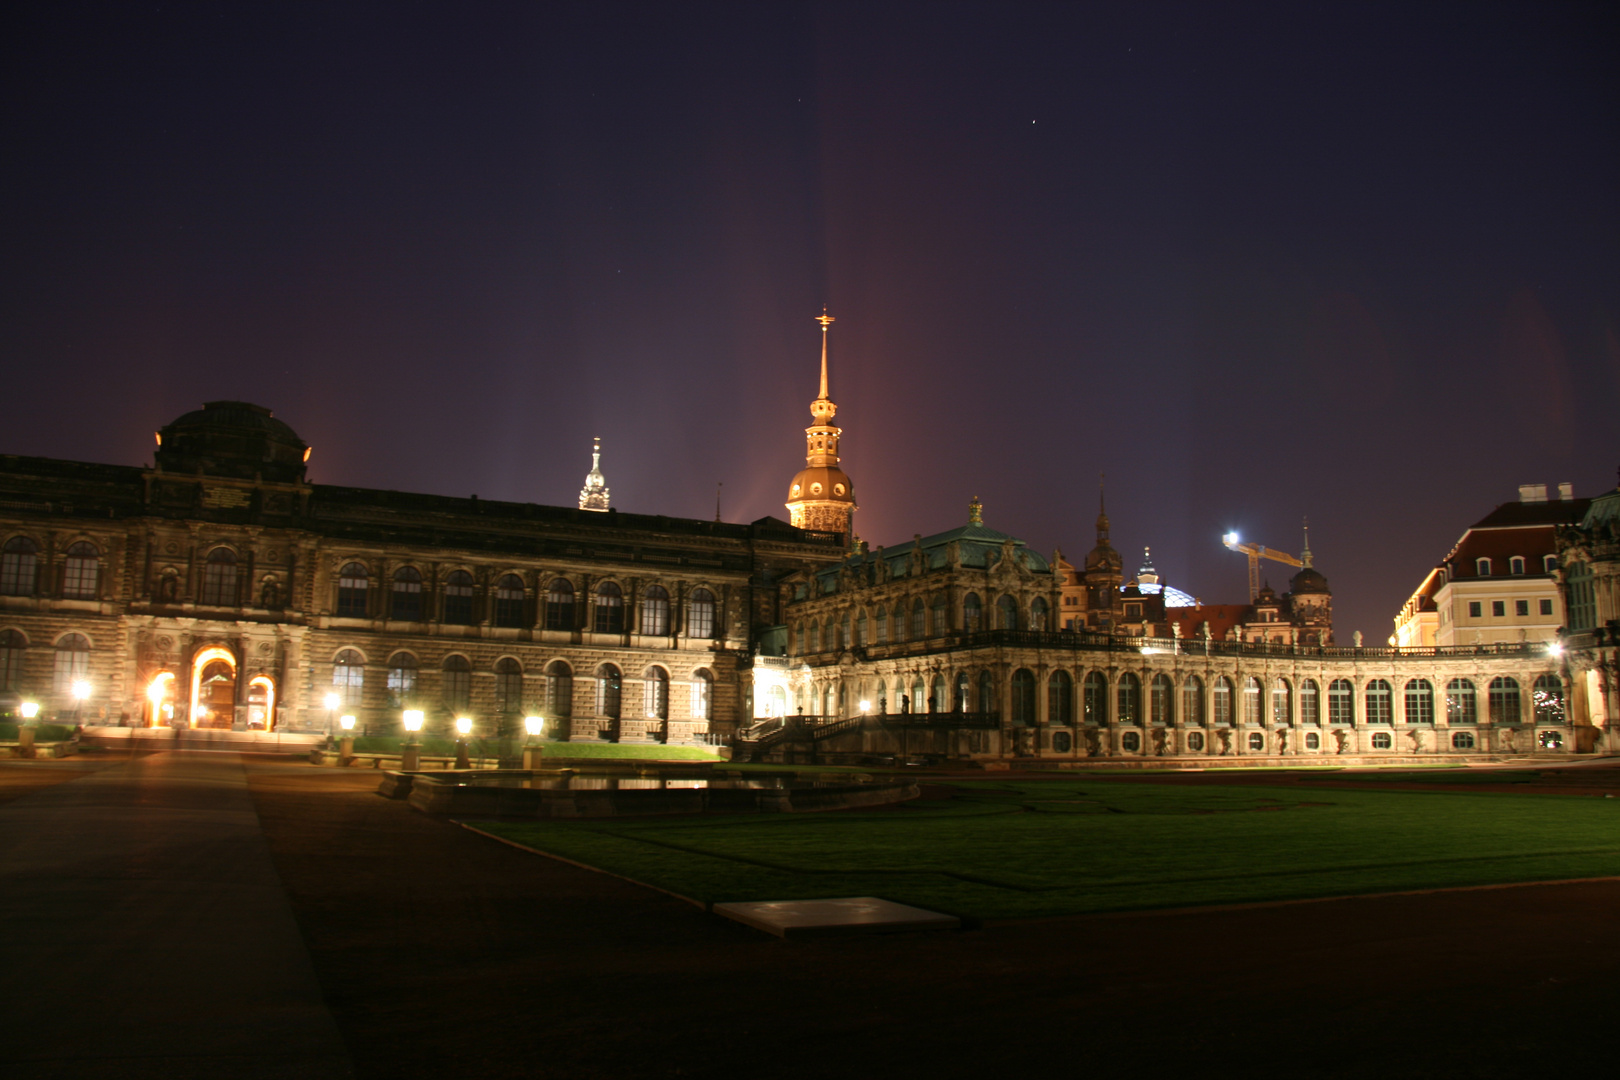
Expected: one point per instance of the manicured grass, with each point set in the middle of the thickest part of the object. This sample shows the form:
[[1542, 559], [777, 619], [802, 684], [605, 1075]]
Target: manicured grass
[[438, 745], [1054, 847], [43, 733]]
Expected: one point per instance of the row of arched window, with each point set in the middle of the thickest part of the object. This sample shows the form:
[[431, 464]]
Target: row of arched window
[[1516, 564], [70, 660], [553, 695], [19, 569], [407, 601], [900, 622]]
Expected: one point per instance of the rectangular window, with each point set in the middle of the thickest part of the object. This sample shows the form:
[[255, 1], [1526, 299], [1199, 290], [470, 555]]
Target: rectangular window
[[1546, 607], [1521, 607], [1473, 609], [1499, 608]]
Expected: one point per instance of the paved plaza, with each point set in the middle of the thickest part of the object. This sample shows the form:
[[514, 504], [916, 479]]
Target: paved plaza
[[205, 914]]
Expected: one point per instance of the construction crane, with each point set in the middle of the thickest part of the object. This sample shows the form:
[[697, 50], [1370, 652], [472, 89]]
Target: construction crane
[[1256, 552]]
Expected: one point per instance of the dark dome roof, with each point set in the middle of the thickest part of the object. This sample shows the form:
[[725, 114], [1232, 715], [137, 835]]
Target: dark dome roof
[[1308, 580], [232, 438]]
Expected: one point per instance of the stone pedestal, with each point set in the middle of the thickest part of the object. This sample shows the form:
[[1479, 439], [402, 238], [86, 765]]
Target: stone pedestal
[[25, 741], [346, 750], [411, 758], [533, 757]]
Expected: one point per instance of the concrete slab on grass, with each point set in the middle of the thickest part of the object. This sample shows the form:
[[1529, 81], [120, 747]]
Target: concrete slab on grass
[[842, 915]]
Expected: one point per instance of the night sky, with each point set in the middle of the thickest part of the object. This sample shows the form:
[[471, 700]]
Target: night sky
[[1255, 262]]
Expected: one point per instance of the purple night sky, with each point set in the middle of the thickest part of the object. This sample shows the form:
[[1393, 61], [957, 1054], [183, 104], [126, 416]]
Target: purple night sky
[[1359, 262]]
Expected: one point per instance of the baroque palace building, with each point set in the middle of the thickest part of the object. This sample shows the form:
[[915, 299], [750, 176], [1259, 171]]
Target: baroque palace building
[[219, 588]]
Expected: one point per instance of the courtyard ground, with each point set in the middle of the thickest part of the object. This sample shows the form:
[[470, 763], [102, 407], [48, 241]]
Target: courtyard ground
[[442, 952]]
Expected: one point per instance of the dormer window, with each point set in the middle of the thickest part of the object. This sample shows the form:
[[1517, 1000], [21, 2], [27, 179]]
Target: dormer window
[[1549, 563], [1482, 567], [1516, 564]]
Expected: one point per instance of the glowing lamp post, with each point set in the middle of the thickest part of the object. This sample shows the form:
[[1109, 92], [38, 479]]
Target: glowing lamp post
[[25, 731], [81, 690], [346, 749], [411, 757], [534, 725], [332, 703], [463, 729]]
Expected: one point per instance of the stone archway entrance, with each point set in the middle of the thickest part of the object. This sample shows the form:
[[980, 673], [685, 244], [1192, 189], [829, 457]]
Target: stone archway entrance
[[213, 689]]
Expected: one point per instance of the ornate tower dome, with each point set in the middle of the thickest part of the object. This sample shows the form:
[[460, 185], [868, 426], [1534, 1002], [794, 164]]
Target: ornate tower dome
[[821, 495], [594, 495]]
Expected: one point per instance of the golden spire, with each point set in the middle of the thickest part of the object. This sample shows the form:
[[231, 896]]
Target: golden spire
[[975, 512], [825, 320]]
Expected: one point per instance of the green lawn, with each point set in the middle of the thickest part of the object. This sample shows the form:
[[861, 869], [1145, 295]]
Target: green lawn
[[1054, 847]]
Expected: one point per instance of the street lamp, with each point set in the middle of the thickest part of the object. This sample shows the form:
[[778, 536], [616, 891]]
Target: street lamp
[[463, 729], [332, 703], [346, 749], [25, 731], [81, 690], [411, 757], [531, 753]]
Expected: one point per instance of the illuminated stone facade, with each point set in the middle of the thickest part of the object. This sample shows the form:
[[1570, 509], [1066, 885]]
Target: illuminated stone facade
[[1589, 583], [219, 588]]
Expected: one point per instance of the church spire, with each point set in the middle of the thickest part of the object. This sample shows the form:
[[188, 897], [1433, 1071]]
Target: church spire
[[1305, 556], [1102, 510], [821, 496]]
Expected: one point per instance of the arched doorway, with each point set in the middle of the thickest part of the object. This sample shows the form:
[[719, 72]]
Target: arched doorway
[[261, 703], [160, 696], [213, 689]]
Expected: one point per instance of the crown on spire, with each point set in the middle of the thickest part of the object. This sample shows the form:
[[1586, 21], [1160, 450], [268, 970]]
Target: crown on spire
[[594, 495], [975, 512]]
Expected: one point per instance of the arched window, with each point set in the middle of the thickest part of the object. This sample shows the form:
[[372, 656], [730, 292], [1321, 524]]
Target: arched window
[[560, 605], [609, 684], [1313, 741], [1195, 741], [1129, 699], [843, 631], [972, 613], [918, 693], [936, 694], [508, 685], [1006, 613], [1161, 695], [1282, 711], [1419, 702], [1482, 567], [72, 661], [1037, 614], [1462, 706], [1547, 699], [1257, 741], [1060, 698], [700, 621], [559, 689], [655, 693], [219, 578], [1341, 702], [815, 636], [19, 563], [1380, 703], [1023, 698], [1310, 706], [860, 629], [703, 696], [655, 611], [13, 648], [1516, 564], [1192, 701], [348, 677], [919, 620], [408, 594], [1094, 698], [959, 702], [608, 609], [402, 669], [1251, 700], [458, 598], [457, 674], [1503, 700], [1221, 693], [987, 693], [882, 625], [937, 615], [509, 594], [80, 571], [354, 582]]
